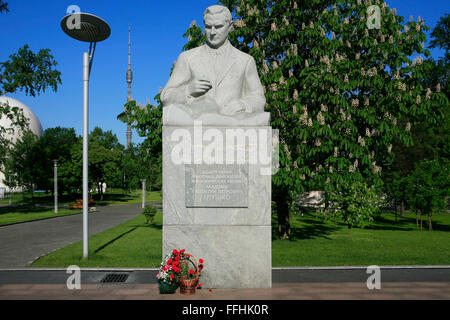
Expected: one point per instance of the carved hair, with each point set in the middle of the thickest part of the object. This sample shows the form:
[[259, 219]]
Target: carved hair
[[217, 9]]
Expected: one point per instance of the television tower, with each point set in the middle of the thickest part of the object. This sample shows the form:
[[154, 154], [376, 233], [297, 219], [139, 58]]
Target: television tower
[[129, 77]]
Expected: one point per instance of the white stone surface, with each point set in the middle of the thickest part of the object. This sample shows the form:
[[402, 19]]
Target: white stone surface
[[234, 256], [235, 242], [311, 199], [257, 213], [215, 83], [34, 125], [218, 86]]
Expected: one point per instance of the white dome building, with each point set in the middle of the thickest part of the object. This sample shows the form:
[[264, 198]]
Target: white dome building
[[34, 124]]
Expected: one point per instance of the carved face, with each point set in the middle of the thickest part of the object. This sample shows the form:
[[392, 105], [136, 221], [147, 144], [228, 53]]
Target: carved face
[[216, 29]]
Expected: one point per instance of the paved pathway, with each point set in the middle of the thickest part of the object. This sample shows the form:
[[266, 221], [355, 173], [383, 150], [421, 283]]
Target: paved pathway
[[279, 291], [22, 243], [397, 283], [279, 275]]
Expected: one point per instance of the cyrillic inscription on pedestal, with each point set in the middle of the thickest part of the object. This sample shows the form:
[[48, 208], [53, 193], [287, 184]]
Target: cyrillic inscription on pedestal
[[216, 186]]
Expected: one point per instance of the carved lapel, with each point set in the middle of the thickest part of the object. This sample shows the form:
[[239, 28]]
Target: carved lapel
[[230, 61], [203, 64]]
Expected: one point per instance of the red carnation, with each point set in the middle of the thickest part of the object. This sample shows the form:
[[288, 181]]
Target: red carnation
[[175, 251], [177, 258], [182, 251], [191, 271], [169, 261], [200, 260], [172, 276], [200, 285], [175, 263]]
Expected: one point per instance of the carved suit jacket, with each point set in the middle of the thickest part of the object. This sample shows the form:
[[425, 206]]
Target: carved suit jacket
[[236, 79]]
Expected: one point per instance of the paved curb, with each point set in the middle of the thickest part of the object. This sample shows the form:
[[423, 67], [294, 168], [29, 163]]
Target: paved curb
[[438, 275], [363, 267], [274, 268]]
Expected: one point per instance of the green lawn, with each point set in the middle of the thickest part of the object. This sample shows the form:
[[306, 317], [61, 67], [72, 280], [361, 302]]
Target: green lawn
[[313, 242], [42, 205], [10, 215], [119, 197]]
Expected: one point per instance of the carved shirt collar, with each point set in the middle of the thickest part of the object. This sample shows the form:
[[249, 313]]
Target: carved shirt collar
[[220, 51]]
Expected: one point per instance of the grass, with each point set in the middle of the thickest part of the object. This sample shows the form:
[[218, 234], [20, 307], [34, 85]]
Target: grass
[[314, 242], [42, 205], [118, 197], [10, 215]]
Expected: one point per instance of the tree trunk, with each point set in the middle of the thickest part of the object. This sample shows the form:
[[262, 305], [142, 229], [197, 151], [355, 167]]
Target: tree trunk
[[284, 227], [101, 191], [395, 210], [421, 220], [417, 220], [430, 224], [402, 208]]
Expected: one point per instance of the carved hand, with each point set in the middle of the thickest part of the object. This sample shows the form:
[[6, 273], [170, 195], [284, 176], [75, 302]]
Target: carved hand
[[233, 107], [199, 87]]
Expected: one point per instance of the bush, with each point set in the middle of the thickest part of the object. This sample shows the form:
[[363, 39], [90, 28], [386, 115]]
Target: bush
[[149, 213], [355, 204]]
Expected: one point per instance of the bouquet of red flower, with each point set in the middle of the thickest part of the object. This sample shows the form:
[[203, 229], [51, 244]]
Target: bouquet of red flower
[[179, 268], [169, 273]]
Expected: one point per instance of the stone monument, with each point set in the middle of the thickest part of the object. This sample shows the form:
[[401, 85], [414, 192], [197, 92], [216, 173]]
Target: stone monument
[[217, 147]]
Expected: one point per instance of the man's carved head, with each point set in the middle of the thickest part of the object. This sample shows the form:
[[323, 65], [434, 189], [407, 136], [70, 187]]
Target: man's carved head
[[218, 22]]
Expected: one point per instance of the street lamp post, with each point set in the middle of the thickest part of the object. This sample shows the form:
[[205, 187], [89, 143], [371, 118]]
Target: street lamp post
[[143, 193], [55, 180], [10, 193], [88, 28], [151, 171]]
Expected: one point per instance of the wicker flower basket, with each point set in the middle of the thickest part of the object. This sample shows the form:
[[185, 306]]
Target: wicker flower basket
[[187, 286]]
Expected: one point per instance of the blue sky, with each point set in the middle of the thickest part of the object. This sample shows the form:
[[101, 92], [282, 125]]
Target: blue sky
[[157, 29]]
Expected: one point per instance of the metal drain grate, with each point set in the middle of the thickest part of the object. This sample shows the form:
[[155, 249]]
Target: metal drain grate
[[115, 278]]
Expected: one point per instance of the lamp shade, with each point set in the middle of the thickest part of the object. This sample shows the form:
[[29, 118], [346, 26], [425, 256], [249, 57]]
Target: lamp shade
[[85, 27]]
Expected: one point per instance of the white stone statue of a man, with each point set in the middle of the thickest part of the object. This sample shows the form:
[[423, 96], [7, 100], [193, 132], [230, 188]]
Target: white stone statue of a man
[[215, 83]]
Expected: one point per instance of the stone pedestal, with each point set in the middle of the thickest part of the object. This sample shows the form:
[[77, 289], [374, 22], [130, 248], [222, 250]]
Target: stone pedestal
[[220, 210]]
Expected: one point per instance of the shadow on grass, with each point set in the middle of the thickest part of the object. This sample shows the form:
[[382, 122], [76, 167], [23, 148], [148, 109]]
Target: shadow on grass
[[404, 224], [307, 226], [133, 228], [116, 198], [313, 229], [156, 226], [384, 223], [114, 240], [23, 209]]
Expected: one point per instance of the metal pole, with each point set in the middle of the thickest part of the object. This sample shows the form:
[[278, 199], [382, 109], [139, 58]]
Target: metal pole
[[85, 153], [55, 179], [143, 193], [10, 193], [151, 172]]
